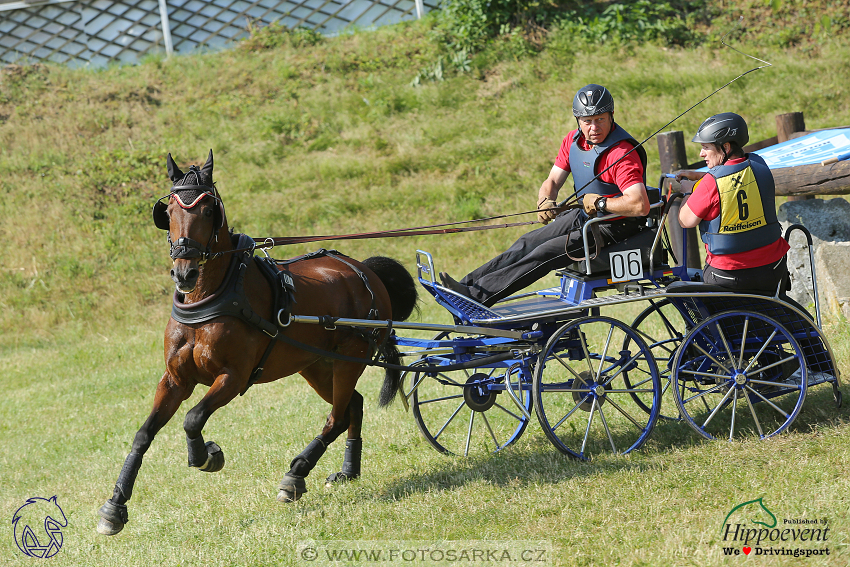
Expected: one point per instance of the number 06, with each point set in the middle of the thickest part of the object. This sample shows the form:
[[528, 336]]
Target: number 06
[[625, 266]]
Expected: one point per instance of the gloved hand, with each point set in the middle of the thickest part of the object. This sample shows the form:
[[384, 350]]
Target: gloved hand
[[589, 203], [546, 210]]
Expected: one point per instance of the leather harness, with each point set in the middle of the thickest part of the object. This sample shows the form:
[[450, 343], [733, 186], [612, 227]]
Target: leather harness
[[230, 299]]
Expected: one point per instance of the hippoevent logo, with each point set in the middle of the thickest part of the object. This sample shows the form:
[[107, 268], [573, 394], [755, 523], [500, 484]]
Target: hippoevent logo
[[752, 528], [38, 527]]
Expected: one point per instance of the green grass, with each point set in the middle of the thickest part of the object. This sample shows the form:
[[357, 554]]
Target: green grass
[[331, 138]]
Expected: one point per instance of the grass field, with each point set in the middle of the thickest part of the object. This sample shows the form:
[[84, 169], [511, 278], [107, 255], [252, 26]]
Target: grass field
[[332, 138]]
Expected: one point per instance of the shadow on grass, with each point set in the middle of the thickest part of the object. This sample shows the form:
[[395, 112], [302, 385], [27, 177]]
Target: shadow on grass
[[533, 460]]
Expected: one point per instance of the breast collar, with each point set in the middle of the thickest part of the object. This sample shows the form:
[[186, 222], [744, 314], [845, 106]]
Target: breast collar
[[228, 300]]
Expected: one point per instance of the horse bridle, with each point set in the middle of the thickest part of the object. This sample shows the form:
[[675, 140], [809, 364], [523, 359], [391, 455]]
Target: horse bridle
[[186, 248]]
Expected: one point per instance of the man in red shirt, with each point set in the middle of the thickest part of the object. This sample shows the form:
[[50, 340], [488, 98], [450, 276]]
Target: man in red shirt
[[597, 146], [734, 205]]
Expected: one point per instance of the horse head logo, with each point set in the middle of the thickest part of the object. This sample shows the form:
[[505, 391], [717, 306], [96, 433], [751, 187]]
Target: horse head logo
[[755, 511], [37, 525]]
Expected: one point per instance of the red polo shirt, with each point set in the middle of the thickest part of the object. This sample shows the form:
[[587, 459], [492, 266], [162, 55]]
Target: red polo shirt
[[625, 174]]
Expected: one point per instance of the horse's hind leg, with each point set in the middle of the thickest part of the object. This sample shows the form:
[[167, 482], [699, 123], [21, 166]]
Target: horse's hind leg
[[169, 396], [353, 445], [335, 384]]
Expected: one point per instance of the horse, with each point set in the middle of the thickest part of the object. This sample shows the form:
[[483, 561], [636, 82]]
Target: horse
[[208, 341]]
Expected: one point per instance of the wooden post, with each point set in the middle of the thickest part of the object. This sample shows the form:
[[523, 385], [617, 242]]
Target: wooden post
[[671, 150], [787, 124]]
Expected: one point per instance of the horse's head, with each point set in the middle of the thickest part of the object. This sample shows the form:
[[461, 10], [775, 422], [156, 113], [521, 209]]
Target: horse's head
[[193, 215]]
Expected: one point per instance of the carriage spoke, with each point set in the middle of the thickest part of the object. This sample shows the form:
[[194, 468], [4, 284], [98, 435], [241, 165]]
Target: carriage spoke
[[625, 413], [654, 343], [771, 404], [469, 432], [622, 367], [725, 344], [642, 382], [444, 398], [604, 353], [711, 357], [589, 422], [719, 405], [586, 352], [706, 374], [755, 417], [743, 342], [567, 366], [608, 431], [507, 411], [702, 393], [415, 386], [761, 350], [774, 364], [734, 409], [448, 421], [777, 384], [490, 429], [571, 412]]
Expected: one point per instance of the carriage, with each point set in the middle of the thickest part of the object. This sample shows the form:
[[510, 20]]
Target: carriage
[[729, 364]]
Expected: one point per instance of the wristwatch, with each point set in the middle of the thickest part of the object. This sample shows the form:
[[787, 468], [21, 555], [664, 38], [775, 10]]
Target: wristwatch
[[601, 204]]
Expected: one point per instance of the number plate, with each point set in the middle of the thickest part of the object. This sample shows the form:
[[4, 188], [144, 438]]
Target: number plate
[[625, 266]]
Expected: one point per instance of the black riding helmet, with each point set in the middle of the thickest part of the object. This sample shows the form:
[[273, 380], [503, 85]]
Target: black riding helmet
[[722, 128], [592, 100]]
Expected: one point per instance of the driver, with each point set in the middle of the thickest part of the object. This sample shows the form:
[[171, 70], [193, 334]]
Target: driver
[[734, 205], [597, 145]]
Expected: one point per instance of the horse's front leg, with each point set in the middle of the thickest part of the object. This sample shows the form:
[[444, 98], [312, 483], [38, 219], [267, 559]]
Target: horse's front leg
[[169, 395], [208, 456], [335, 384]]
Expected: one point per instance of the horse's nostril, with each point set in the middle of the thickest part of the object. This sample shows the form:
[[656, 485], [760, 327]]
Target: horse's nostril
[[172, 273], [192, 274]]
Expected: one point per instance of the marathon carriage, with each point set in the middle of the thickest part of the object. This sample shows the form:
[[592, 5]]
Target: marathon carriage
[[735, 364]]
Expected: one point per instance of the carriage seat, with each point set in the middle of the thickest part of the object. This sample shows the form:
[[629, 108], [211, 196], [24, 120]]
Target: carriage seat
[[642, 240], [601, 264]]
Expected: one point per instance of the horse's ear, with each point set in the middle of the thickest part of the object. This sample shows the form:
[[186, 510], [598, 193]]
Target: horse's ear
[[207, 170], [174, 172]]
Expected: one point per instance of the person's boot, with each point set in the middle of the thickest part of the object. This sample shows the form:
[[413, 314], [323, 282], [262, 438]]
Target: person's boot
[[450, 283]]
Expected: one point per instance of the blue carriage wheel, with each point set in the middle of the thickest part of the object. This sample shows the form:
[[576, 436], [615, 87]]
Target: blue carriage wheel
[[582, 399], [739, 373], [663, 326], [467, 412]]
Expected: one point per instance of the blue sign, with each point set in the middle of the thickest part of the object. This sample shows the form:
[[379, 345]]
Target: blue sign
[[809, 149], [38, 527]]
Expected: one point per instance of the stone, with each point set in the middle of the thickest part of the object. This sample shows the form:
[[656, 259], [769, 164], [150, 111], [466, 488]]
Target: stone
[[828, 221], [833, 273]]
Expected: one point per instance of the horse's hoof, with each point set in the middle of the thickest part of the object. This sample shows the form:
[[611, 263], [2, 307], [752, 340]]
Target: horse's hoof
[[215, 458], [112, 518], [339, 477], [291, 488], [108, 527]]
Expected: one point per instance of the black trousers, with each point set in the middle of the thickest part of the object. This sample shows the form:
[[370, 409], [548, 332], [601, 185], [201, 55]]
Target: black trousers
[[538, 252], [762, 278]]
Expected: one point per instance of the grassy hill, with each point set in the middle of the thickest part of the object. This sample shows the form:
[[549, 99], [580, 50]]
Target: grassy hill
[[325, 135], [328, 135]]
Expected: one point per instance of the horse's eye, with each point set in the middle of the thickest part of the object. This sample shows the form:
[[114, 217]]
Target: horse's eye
[[208, 213]]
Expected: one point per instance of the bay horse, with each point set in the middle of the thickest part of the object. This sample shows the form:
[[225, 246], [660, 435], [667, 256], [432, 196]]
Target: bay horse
[[210, 342]]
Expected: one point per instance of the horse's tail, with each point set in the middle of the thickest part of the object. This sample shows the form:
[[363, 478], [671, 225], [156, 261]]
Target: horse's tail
[[402, 291]]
